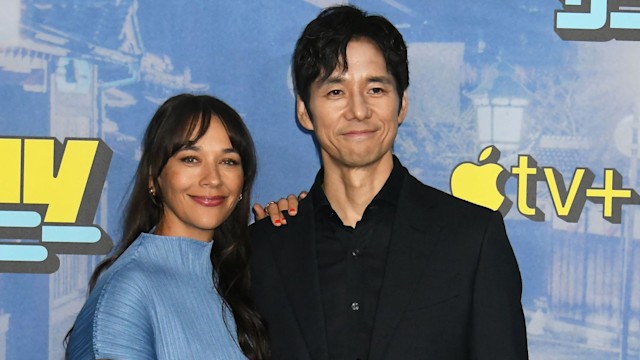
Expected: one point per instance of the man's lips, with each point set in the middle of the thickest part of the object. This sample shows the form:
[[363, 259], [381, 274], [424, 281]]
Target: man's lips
[[209, 200], [355, 134]]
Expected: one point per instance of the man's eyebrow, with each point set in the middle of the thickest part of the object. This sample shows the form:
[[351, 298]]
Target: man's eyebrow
[[339, 79], [385, 79], [334, 79]]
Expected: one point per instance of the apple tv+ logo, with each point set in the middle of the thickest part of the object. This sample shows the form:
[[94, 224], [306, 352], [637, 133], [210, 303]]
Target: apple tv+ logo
[[484, 182]]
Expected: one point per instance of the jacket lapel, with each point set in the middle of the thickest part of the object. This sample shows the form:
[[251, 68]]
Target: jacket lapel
[[294, 252], [413, 236]]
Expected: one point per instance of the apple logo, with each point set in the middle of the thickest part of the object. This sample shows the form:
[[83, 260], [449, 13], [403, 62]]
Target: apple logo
[[482, 184]]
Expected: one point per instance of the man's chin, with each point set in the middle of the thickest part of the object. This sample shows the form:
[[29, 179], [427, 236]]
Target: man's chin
[[360, 159]]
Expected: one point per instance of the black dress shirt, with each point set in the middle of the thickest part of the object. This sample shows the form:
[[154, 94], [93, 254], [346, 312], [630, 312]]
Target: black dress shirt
[[351, 263]]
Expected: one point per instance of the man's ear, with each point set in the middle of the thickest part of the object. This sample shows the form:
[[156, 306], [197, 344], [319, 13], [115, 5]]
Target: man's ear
[[303, 114], [403, 108]]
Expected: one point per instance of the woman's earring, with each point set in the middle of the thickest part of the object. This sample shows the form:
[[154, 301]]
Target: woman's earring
[[240, 197], [152, 193]]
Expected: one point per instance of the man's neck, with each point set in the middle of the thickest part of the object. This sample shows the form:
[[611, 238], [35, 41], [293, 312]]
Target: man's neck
[[351, 189]]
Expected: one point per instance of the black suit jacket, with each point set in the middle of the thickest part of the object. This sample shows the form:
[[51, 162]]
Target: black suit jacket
[[451, 288]]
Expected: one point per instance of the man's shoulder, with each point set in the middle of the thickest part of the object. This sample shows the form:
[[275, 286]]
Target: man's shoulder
[[423, 195], [261, 229], [299, 228]]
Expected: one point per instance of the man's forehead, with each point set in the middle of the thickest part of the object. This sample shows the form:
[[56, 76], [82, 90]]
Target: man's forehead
[[340, 74]]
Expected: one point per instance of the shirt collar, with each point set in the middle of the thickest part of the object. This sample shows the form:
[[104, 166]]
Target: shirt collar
[[388, 194]]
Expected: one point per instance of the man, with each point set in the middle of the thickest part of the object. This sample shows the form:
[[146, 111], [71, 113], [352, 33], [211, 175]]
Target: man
[[377, 265]]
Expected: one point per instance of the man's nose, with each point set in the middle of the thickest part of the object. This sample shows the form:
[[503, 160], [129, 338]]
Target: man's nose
[[359, 107]]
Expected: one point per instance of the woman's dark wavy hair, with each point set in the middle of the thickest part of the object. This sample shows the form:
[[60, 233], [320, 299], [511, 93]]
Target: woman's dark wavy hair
[[323, 46], [179, 121]]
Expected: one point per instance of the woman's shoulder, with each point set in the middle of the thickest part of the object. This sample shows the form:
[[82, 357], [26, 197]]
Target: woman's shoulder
[[129, 282], [121, 315], [117, 306]]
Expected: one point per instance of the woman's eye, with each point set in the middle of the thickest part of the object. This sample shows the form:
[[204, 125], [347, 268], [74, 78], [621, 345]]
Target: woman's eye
[[189, 160], [231, 162]]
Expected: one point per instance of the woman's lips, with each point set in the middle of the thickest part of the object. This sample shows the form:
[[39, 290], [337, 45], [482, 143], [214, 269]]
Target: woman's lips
[[209, 200]]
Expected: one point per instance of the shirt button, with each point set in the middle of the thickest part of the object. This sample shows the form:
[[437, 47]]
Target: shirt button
[[355, 253], [355, 306]]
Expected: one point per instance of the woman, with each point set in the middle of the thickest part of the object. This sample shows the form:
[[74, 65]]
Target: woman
[[178, 285]]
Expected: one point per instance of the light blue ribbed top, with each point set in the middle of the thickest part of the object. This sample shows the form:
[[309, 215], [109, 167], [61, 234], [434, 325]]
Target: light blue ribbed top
[[157, 301]]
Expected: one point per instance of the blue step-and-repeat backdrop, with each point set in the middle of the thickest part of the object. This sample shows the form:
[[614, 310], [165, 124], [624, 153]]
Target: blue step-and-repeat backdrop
[[528, 107]]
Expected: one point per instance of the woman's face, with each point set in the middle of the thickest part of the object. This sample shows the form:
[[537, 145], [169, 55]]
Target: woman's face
[[200, 186]]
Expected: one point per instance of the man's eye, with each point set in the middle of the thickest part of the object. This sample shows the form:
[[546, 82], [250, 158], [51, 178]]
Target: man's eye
[[334, 92], [377, 90]]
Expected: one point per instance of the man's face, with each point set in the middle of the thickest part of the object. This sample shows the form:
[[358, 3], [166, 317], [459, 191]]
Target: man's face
[[355, 114]]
